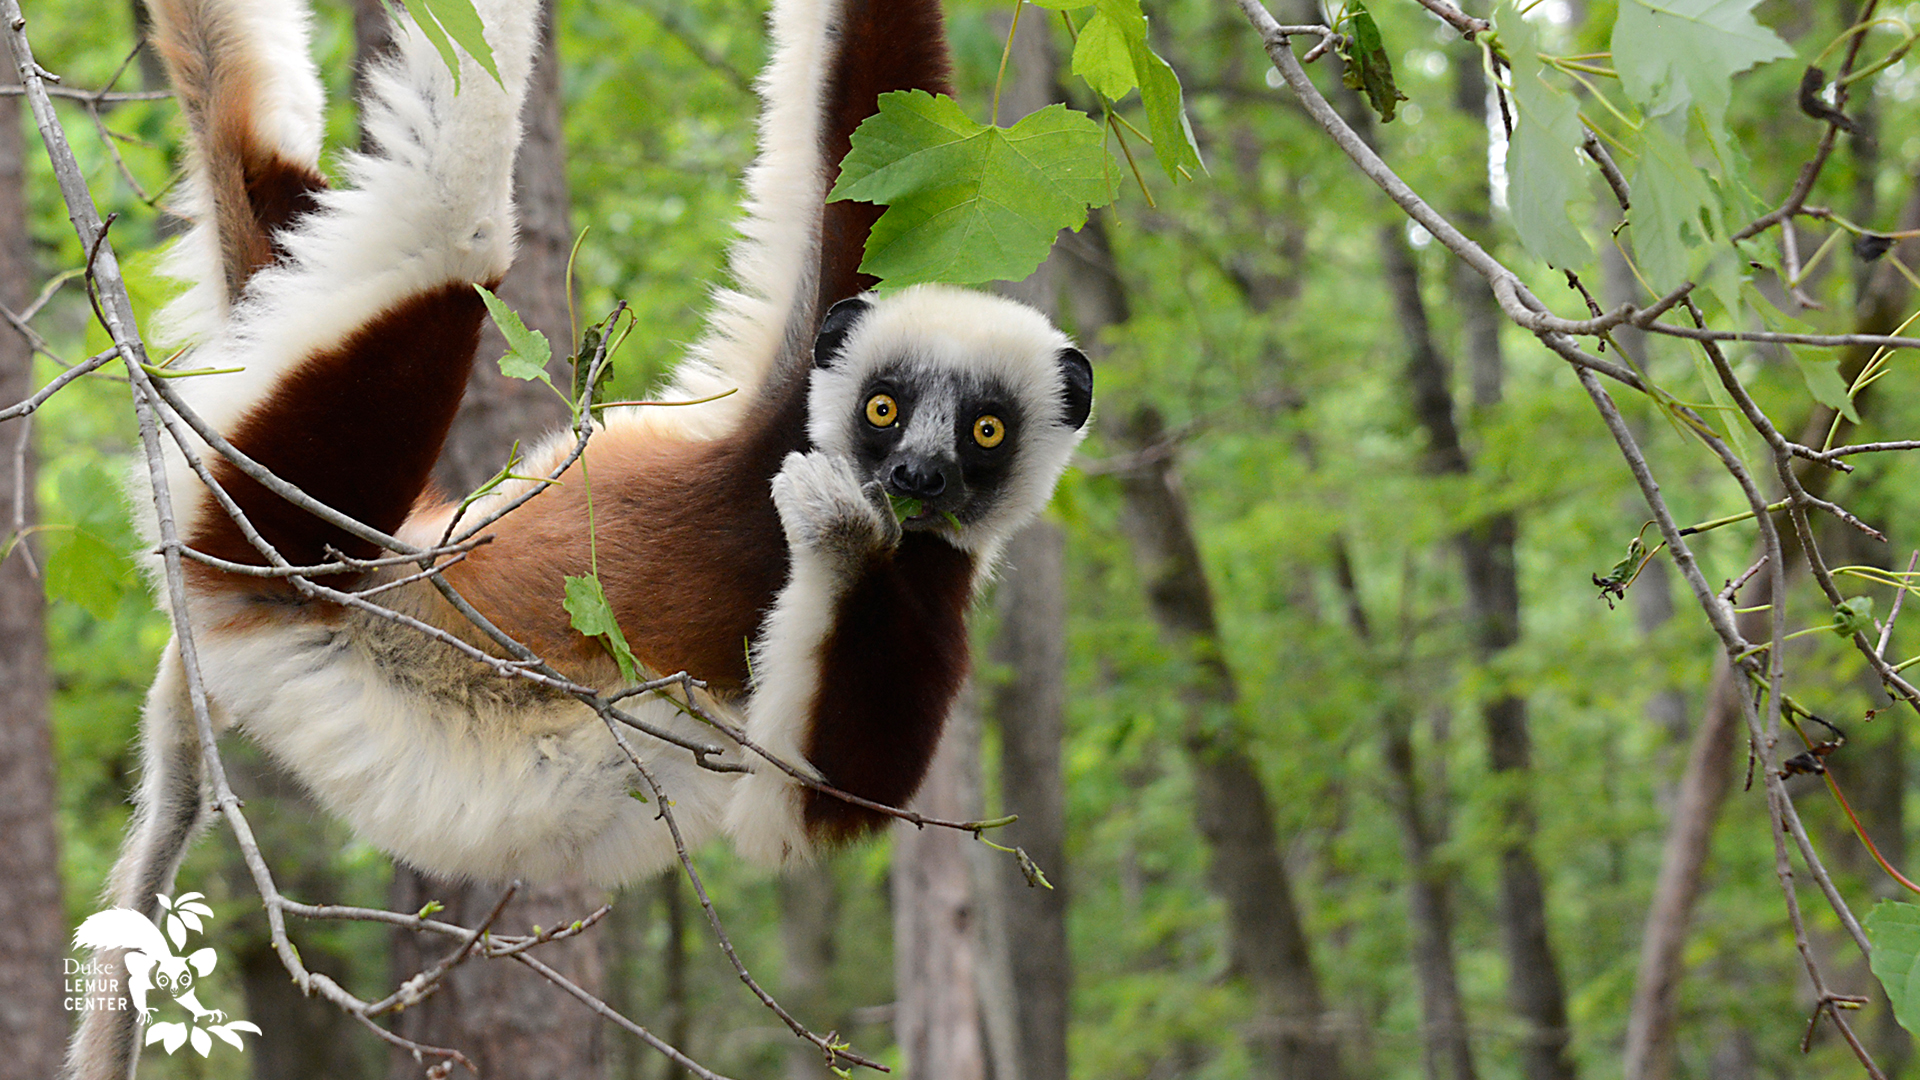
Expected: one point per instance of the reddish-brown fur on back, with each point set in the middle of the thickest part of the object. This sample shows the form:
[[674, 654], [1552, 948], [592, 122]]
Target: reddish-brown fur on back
[[690, 552]]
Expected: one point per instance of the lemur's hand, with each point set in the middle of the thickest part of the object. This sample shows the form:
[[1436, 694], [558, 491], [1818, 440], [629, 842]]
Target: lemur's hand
[[827, 511]]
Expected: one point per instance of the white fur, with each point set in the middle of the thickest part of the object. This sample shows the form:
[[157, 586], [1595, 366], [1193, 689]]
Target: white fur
[[487, 792], [834, 526], [768, 313], [483, 784]]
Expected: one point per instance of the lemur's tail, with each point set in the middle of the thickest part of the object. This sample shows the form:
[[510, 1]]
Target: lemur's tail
[[243, 75], [168, 809]]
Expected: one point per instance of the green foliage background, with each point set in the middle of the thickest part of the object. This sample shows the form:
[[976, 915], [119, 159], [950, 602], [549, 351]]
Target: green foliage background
[[659, 121]]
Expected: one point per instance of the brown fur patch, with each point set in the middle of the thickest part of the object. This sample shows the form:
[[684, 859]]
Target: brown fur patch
[[690, 551], [357, 427], [891, 669]]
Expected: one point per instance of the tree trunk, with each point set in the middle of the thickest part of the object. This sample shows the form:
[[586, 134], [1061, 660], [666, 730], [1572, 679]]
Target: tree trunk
[[511, 1022], [809, 911], [1030, 711], [1028, 969], [32, 921], [1445, 1049], [679, 1002], [937, 1021], [1266, 943], [1703, 790], [1493, 616]]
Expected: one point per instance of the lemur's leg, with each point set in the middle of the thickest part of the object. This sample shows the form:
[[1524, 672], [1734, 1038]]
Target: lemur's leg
[[356, 338]]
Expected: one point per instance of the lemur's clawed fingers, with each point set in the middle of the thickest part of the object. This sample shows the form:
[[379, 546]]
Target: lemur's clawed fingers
[[825, 510]]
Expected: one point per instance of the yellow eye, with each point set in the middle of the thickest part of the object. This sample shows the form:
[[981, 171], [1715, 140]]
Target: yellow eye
[[988, 431], [882, 411]]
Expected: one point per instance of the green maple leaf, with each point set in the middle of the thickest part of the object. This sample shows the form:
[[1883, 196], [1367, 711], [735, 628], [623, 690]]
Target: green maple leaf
[[1103, 58], [1160, 93], [1673, 53], [527, 350], [1545, 175], [968, 202]]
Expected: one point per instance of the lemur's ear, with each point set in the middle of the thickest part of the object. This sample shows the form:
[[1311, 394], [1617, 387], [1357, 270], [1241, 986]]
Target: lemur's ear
[[840, 321], [1077, 375]]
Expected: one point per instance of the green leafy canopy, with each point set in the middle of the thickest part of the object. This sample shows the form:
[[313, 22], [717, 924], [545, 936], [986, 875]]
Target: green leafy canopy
[[969, 202]]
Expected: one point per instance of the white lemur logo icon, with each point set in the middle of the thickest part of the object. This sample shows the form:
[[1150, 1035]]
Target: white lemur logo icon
[[151, 964]]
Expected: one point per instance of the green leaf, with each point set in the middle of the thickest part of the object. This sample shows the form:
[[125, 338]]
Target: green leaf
[[593, 616], [1061, 5], [1854, 615], [967, 202], [1546, 179], [1173, 142], [527, 350], [440, 20], [1368, 69], [1103, 58], [1675, 53], [1674, 211], [86, 570], [1894, 930], [1825, 384]]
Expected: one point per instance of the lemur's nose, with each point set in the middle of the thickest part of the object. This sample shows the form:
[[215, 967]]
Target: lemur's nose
[[917, 481]]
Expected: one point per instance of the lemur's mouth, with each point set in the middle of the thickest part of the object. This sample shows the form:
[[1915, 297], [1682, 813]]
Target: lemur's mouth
[[920, 515]]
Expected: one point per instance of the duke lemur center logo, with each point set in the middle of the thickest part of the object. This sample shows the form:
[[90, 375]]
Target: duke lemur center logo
[[156, 974]]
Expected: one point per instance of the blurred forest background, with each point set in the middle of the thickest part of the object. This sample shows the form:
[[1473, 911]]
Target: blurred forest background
[[1338, 765]]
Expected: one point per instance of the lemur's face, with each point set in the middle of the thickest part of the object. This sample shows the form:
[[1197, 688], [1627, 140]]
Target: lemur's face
[[945, 439], [966, 404]]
